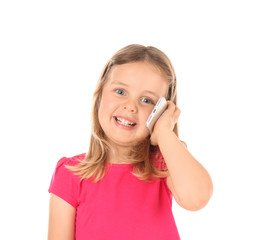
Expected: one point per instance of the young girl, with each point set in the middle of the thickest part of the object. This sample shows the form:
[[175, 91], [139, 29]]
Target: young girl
[[123, 187]]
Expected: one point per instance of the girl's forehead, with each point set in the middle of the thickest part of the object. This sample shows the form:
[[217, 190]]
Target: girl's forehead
[[140, 65], [136, 72]]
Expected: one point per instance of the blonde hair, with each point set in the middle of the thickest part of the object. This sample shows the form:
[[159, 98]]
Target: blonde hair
[[94, 164]]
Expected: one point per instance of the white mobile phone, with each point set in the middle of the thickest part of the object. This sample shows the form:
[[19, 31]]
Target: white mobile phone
[[159, 108]]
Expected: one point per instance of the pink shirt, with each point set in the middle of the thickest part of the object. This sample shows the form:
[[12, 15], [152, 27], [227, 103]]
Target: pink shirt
[[120, 206]]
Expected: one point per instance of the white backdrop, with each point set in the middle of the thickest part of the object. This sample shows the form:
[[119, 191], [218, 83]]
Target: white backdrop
[[51, 55]]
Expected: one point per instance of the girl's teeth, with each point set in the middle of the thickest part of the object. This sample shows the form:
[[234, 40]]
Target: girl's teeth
[[124, 122]]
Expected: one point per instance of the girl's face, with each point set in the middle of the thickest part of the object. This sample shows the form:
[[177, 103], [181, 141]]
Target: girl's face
[[128, 97]]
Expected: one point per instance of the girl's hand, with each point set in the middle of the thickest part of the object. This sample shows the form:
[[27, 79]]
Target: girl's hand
[[166, 122]]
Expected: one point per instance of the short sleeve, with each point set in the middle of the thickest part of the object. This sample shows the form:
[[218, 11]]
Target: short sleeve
[[160, 163], [157, 159], [64, 183]]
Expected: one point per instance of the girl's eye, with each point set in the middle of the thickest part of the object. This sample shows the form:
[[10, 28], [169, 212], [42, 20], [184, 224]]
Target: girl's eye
[[147, 100], [120, 91]]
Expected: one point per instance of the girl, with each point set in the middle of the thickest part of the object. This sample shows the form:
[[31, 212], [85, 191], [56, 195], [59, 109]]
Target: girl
[[123, 187]]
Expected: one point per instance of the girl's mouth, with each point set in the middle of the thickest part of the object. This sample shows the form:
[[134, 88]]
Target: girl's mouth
[[124, 122]]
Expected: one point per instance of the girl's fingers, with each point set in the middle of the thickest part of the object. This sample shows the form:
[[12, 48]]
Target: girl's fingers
[[174, 110]]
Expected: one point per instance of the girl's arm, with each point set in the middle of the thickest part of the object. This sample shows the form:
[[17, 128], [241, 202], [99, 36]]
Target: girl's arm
[[189, 182], [61, 219]]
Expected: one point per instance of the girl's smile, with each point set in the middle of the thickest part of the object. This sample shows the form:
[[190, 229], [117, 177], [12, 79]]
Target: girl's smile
[[128, 97], [122, 121]]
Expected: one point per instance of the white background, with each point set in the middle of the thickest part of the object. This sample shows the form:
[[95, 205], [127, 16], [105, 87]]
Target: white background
[[51, 55]]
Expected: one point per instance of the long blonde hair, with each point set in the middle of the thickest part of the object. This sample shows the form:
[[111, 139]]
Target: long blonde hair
[[94, 164]]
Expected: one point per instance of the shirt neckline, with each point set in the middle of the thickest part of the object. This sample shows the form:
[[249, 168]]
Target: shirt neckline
[[120, 165]]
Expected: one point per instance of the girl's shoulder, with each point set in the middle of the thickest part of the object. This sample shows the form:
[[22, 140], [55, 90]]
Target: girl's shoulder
[[71, 161], [64, 183]]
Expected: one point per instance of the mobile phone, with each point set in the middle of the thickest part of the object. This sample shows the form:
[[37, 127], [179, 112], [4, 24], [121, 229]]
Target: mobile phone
[[159, 108]]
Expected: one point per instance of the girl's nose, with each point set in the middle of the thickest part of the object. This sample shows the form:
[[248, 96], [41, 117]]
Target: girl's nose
[[130, 107]]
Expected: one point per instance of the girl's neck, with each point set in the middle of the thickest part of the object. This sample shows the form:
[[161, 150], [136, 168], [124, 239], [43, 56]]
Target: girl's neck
[[119, 156]]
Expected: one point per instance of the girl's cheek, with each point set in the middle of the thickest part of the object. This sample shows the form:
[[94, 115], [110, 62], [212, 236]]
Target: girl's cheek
[[147, 114], [111, 102], [107, 100]]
